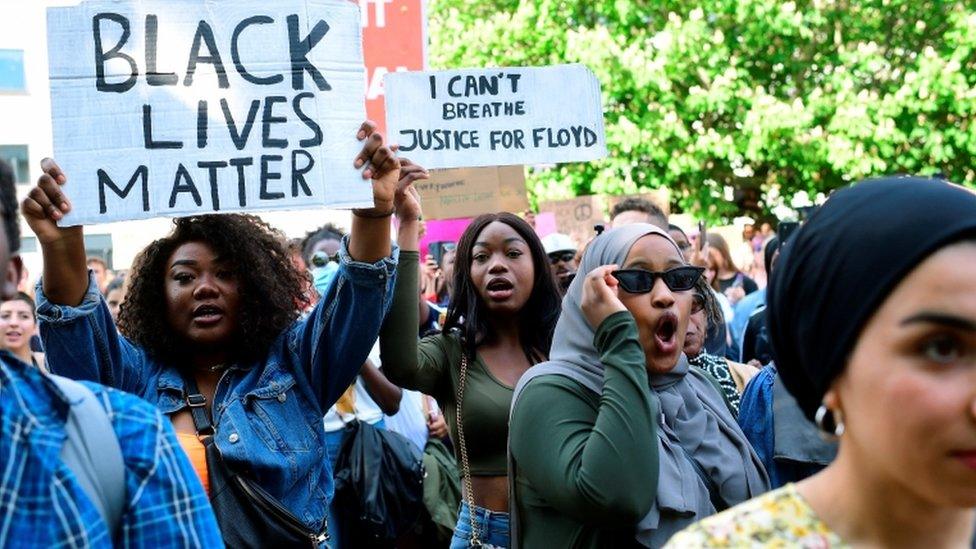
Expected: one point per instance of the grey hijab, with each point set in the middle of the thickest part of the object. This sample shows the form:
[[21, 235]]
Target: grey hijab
[[697, 437]]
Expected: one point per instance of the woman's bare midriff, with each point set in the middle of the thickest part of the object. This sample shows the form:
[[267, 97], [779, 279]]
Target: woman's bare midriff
[[491, 492]]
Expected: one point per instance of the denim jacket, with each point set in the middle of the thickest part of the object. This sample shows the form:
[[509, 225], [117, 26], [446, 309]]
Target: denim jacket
[[268, 413]]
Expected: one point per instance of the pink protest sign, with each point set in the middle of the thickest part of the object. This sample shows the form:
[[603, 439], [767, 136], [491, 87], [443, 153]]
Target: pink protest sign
[[443, 229], [545, 223]]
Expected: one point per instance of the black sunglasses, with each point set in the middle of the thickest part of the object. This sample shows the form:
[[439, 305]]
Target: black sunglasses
[[556, 257], [321, 259], [640, 281]]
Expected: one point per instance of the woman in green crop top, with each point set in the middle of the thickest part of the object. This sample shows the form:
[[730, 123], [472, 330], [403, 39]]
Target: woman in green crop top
[[499, 323]]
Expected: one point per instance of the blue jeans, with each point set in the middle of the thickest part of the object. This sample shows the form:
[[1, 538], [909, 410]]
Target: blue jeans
[[333, 443], [493, 529]]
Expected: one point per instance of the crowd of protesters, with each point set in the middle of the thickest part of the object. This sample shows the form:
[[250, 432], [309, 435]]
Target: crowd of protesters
[[643, 389]]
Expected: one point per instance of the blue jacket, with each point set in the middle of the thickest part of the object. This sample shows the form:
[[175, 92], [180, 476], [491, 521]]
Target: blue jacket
[[43, 503], [787, 443], [267, 414]]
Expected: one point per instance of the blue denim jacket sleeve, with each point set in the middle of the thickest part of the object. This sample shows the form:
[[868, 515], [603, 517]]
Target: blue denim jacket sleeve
[[82, 343], [756, 418], [333, 342]]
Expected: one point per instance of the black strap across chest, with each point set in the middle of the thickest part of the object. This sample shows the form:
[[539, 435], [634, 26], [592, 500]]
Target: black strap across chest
[[198, 407]]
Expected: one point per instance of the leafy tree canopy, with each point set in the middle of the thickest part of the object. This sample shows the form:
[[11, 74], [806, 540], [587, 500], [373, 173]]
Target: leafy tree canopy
[[735, 105]]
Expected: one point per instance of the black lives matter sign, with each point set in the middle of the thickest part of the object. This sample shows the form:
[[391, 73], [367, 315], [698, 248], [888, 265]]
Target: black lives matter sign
[[496, 117], [168, 108]]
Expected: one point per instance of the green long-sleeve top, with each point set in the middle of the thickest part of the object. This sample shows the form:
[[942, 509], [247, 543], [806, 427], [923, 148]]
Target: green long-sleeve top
[[432, 366], [587, 464]]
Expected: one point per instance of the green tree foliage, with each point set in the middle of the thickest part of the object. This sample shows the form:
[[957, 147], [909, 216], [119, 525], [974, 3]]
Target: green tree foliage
[[735, 104]]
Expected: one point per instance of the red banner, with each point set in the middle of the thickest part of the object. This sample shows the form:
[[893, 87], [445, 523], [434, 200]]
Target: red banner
[[394, 39]]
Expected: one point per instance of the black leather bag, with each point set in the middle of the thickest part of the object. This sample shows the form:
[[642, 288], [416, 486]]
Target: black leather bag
[[247, 515], [379, 489]]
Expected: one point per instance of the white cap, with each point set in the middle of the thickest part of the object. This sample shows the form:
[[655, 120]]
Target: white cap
[[558, 242]]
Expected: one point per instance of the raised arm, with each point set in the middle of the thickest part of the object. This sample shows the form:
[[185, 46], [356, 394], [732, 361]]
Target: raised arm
[[80, 338], [65, 276], [332, 344], [369, 239], [409, 365]]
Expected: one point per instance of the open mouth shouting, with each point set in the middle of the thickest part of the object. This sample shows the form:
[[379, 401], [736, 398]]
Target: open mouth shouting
[[500, 289], [207, 314], [666, 334]]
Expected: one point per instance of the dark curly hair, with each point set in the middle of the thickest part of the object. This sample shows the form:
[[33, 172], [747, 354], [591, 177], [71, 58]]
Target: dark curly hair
[[467, 311], [329, 231], [271, 289]]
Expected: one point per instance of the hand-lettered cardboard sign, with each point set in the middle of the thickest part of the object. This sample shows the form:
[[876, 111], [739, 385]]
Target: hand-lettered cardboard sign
[[177, 107], [577, 216], [469, 192], [496, 117]]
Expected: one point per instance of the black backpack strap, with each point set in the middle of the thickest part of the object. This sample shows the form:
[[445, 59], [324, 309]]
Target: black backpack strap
[[198, 407]]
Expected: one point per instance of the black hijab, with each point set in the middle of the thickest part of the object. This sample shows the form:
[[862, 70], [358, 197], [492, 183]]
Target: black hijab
[[842, 264]]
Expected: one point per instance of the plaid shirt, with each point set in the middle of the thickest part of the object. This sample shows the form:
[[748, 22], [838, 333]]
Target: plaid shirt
[[42, 503]]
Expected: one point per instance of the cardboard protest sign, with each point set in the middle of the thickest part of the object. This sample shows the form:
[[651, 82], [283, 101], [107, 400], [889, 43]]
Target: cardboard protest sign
[[496, 117], [167, 108], [577, 216], [470, 192]]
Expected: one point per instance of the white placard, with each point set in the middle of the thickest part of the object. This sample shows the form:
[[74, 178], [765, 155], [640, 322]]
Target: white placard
[[179, 107], [496, 117]]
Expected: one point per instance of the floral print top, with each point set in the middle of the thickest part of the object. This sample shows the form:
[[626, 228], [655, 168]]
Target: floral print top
[[778, 519]]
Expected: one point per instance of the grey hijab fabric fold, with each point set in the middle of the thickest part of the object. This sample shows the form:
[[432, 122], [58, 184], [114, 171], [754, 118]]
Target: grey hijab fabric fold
[[697, 435]]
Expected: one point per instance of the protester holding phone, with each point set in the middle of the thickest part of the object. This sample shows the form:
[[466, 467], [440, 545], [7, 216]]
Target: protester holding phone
[[499, 323], [616, 442], [210, 335]]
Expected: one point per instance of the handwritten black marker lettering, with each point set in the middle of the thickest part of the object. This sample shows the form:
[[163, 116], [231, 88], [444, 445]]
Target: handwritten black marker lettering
[[298, 174], [240, 164], [147, 133], [300, 48], [268, 175], [235, 53], [239, 137], [141, 173], [186, 187], [153, 76], [115, 53], [204, 36], [267, 119]]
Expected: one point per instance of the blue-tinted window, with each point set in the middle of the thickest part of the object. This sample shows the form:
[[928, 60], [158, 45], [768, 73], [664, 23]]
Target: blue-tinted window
[[19, 160], [12, 78]]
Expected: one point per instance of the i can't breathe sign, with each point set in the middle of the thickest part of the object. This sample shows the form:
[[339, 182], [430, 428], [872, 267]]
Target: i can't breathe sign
[[496, 117], [179, 107]]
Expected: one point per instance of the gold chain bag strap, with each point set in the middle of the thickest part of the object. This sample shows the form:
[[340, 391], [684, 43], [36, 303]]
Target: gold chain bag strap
[[475, 540]]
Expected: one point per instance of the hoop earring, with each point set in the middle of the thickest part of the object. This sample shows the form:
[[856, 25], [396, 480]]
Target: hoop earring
[[835, 418]]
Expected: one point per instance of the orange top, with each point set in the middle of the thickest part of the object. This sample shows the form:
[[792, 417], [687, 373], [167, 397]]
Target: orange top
[[197, 453]]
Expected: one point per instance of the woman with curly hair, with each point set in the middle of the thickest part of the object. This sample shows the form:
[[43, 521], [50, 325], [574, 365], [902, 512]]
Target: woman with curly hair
[[731, 376], [211, 322], [499, 323]]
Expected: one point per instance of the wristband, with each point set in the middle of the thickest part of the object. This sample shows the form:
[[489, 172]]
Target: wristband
[[366, 213]]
